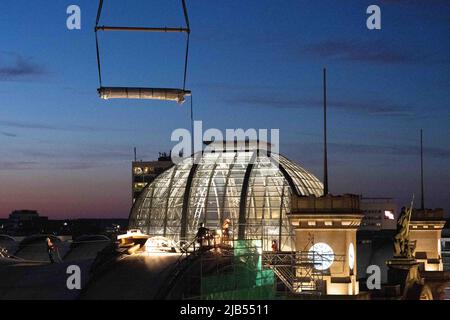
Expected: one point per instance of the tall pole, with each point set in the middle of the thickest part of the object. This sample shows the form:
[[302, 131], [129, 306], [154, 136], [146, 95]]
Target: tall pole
[[325, 155], [135, 158], [422, 202], [192, 127]]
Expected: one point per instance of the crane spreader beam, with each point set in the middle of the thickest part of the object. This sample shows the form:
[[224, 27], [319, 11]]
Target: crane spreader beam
[[167, 94], [143, 29]]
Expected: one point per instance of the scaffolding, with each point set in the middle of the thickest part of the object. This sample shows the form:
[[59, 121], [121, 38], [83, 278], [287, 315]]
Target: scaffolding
[[254, 267], [267, 231], [300, 271], [244, 269], [234, 273]]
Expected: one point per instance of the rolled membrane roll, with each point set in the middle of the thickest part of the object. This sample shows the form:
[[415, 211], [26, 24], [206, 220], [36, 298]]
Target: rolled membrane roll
[[177, 95]]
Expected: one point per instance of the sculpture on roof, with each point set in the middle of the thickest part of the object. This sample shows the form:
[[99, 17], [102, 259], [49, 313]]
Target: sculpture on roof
[[403, 247]]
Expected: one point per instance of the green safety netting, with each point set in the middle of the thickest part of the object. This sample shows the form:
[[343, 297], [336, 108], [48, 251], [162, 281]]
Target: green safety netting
[[245, 278]]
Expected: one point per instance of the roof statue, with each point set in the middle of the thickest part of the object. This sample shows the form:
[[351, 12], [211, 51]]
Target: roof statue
[[403, 247]]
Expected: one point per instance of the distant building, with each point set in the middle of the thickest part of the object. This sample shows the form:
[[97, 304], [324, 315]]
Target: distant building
[[144, 172], [107, 227], [379, 214], [25, 222], [23, 215], [3, 224], [29, 222], [445, 246]]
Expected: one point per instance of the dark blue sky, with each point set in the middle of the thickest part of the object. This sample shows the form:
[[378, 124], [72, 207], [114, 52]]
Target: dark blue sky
[[253, 64]]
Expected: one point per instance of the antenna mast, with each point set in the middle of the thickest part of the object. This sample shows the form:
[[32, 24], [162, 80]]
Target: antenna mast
[[325, 155], [422, 201]]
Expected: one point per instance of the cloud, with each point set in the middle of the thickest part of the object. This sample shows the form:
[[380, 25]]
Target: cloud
[[40, 126], [396, 150], [371, 108], [369, 149], [79, 158], [44, 126], [17, 165], [8, 134], [14, 66], [375, 52], [413, 2], [35, 165], [73, 166], [279, 97]]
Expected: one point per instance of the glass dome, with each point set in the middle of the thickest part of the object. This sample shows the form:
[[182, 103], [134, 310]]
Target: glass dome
[[250, 188]]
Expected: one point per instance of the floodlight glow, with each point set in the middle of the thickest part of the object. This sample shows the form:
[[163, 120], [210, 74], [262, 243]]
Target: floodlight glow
[[389, 215], [351, 256], [322, 256], [131, 233], [159, 244]]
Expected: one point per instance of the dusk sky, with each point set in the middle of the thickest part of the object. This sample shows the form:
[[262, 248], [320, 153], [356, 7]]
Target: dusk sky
[[252, 64]]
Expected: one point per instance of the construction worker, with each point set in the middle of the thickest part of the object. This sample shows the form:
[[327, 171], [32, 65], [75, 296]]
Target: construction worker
[[226, 230], [50, 249], [274, 246], [202, 233]]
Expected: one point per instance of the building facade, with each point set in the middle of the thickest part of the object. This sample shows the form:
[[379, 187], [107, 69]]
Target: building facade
[[426, 231], [379, 214], [326, 228], [144, 172], [24, 222]]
